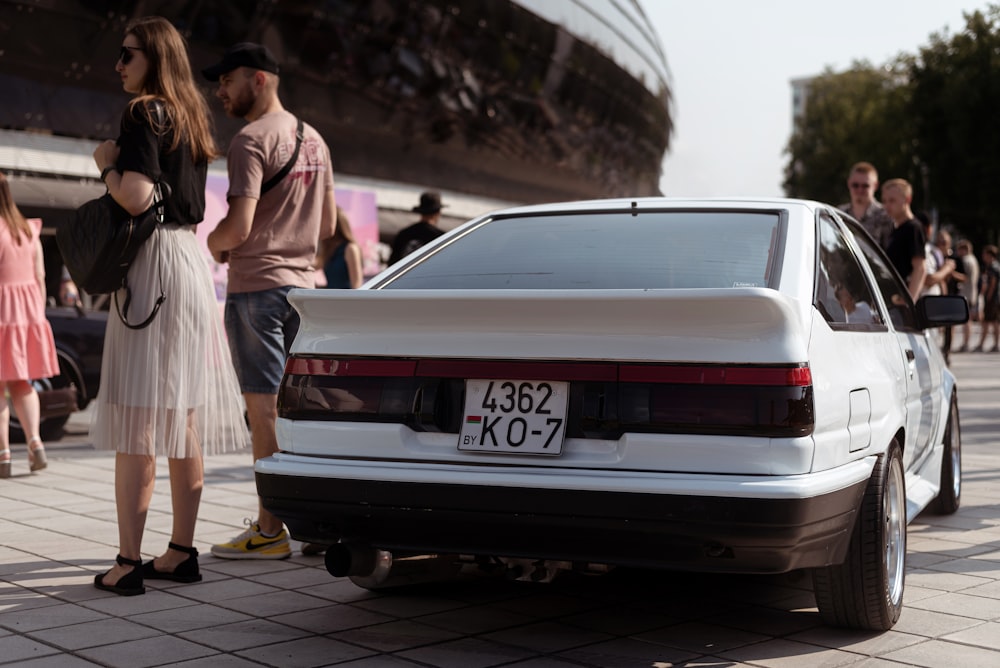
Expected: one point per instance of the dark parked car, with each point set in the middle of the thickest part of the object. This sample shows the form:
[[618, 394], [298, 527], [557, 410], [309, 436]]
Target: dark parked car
[[79, 337]]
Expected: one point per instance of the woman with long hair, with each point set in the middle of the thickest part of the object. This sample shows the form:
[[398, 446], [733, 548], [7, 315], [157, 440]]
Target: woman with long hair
[[27, 349], [339, 256], [168, 389]]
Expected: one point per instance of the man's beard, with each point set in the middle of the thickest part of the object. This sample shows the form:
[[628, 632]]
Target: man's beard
[[241, 105]]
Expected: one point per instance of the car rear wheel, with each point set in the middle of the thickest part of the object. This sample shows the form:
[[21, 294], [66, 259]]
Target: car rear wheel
[[950, 497], [866, 591]]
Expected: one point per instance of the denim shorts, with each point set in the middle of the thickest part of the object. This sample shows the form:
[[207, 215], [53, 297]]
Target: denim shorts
[[261, 327]]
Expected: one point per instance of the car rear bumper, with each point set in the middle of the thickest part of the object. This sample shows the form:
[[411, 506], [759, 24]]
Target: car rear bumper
[[745, 524]]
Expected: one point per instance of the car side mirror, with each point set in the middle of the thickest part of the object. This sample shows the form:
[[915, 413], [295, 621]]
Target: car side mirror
[[942, 310]]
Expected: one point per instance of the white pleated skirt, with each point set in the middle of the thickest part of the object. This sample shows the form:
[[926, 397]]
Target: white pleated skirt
[[170, 388]]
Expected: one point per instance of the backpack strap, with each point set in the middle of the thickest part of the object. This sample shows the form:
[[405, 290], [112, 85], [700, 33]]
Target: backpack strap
[[283, 172]]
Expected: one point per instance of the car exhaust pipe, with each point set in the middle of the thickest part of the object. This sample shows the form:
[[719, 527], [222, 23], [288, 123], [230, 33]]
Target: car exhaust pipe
[[344, 559], [407, 570]]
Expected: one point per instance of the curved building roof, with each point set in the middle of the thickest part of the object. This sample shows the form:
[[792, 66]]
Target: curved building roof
[[516, 101]]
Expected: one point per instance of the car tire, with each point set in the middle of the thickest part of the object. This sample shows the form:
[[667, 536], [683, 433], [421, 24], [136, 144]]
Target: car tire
[[51, 429], [950, 497], [866, 590]]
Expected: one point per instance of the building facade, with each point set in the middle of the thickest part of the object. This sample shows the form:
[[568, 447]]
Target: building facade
[[504, 101]]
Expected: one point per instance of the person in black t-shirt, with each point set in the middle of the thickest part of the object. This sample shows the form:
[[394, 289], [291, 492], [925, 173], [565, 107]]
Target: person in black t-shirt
[[421, 232], [906, 242], [168, 387]]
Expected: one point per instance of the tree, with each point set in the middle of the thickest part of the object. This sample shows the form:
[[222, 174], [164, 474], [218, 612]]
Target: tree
[[955, 88], [929, 118], [860, 114]]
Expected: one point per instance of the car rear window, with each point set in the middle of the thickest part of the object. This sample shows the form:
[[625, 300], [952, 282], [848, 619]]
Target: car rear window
[[674, 249]]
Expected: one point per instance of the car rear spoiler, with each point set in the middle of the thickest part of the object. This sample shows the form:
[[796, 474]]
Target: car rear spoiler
[[746, 325]]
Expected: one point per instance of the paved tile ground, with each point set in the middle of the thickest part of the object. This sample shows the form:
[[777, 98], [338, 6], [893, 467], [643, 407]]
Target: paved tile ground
[[57, 529]]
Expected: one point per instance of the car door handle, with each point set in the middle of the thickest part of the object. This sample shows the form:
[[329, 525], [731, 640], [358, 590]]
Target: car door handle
[[910, 355]]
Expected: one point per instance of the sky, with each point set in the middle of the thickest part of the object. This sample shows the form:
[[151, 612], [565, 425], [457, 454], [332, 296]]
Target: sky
[[732, 62]]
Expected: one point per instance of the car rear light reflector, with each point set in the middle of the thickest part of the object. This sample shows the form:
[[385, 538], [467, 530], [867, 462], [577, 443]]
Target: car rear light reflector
[[606, 399], [716, 375], [492, 369], [322, 366]]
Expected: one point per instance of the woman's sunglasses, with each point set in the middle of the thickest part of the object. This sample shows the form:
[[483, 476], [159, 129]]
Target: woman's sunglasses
[[126, 54]]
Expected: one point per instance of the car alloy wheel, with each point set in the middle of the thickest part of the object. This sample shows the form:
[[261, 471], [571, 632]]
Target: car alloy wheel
[[866, 590]]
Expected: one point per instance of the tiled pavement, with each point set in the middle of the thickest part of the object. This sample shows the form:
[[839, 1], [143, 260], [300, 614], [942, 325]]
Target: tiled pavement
[[57, 530]]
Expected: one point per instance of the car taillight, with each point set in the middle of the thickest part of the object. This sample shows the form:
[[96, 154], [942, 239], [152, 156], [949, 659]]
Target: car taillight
[[606, 399]]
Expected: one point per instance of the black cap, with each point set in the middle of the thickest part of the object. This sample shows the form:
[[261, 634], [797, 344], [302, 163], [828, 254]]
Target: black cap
[[244, 54], [430, 202]]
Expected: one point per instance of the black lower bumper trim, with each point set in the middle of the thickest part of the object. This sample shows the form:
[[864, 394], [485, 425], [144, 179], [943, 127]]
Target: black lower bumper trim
[[697, 533]]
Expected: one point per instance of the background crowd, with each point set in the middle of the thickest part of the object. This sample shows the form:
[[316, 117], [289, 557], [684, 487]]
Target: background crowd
[[927, 256]]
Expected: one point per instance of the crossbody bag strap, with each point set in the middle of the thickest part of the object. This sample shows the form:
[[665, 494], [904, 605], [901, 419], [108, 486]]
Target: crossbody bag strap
[[283, 172], [123, 308]]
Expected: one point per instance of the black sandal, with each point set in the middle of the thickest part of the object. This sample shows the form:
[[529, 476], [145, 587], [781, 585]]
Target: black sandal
[[129, 584], [186, 571]]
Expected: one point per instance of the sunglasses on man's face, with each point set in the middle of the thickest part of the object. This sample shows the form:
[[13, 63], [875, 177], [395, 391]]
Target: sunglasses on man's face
[[125, 55]]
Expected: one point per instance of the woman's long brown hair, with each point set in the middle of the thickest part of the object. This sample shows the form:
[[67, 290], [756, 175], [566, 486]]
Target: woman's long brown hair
[[11, 214], [169, 77]]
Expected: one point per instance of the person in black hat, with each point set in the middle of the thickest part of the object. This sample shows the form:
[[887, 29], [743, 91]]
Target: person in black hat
[[244, 54], [281, 205], [421, 232]]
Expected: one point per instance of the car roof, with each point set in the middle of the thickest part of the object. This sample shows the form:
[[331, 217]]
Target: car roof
[[762, 203]]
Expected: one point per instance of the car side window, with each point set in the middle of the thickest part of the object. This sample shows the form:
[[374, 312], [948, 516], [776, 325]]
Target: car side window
[[843, 294], [897, 299]]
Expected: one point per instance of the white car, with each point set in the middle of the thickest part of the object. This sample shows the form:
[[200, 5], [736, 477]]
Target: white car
[[709, 385]]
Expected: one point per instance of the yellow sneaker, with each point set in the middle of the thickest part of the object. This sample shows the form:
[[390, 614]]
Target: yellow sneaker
[[252, 544]]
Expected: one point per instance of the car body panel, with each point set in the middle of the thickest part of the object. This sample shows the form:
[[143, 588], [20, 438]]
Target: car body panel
[[686, 453], [79, 338], [605, 480], [873, 356]]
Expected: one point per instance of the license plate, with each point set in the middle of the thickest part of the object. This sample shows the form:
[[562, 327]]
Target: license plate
[[514, 416]]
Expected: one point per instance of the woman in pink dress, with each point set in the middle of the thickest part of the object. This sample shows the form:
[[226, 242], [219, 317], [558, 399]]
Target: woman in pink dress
[[27, 350]]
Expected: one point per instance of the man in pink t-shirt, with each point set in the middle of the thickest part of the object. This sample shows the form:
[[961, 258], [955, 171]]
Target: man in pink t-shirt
[[269, 237]]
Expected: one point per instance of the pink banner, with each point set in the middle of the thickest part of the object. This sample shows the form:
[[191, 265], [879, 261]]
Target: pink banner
[[359, 205]]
